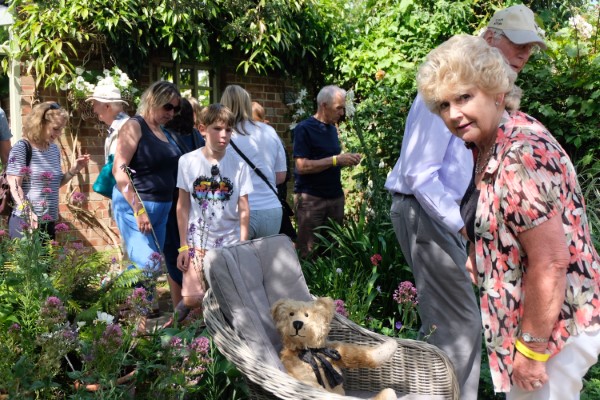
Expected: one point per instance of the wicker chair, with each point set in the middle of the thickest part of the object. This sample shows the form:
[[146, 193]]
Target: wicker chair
[[417, 370]]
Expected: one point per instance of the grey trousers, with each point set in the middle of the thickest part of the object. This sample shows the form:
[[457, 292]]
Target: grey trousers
[[447, 305]]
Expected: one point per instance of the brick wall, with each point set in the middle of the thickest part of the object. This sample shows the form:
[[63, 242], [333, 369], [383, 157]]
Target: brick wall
[[91, 222]]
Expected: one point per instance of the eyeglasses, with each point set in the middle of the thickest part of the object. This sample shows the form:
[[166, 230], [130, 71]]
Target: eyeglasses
[[171, 107], [53, 106]]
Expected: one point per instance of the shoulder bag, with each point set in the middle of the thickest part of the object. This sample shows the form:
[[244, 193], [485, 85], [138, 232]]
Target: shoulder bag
[[286, 219]]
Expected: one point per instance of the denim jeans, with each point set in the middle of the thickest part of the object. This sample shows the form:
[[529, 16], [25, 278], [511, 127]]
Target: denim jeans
[[140, 246], [265, 222]]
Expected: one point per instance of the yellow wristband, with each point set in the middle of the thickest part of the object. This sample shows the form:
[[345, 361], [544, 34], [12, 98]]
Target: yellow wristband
[[334, 160], [139, 212], [527, 352], [183, 248]]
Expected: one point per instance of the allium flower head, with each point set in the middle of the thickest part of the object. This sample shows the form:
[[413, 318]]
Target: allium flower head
[[25, 171], [53, 312], [46, 217], [112, 338]]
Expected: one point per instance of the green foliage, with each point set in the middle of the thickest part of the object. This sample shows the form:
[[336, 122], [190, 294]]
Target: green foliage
[[295, 37], [561, 86]]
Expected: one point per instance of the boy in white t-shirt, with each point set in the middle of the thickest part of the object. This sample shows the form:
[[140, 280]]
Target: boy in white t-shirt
[[212, 210]]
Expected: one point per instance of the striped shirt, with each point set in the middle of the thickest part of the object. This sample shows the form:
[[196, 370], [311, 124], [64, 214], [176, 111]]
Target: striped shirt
[[42, 181]]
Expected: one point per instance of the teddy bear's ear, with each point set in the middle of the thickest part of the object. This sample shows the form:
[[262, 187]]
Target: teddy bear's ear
[[278, 307], [326, 305]]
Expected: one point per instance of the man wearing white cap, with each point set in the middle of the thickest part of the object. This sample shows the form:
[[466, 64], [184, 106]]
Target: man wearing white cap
[[427, 184], [108, 106]]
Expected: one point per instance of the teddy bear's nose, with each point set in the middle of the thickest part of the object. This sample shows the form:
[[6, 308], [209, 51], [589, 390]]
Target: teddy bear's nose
[[297, 325]]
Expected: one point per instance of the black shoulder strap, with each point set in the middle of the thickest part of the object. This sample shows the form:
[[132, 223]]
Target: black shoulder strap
[[177, 139], [28, 151], [254, 168]]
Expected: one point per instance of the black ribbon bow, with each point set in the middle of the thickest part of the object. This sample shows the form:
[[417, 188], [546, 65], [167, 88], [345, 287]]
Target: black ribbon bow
[[311, 356]]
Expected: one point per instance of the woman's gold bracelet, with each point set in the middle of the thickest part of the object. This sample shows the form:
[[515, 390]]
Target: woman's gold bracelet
[[527, 352]]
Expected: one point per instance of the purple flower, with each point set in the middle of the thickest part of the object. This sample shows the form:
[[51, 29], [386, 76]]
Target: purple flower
[[77, 245], [24, 226], [340, 307], [112, 338], [398, 325], [200, 345], [43, 203], [78, 197], [46, 217], [137, 305], [14, 328], [53, 301], [113, 260], [47, 175], [53, 312], [155, 256], [175, 342], [46, 190], [61, 227], [53, 243], [406, 293]]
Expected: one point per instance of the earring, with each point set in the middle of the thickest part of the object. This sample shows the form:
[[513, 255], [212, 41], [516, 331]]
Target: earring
[[497, 103]]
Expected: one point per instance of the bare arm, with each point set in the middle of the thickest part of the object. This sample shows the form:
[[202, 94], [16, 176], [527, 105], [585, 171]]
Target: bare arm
[[280, 177], [306, 166], [80, 163], [5, 147], [183, 212], [244, 211], [544, 286], [129, 137]]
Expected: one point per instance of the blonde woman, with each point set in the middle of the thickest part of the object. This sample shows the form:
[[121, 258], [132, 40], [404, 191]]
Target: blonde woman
[[152, 158], [261, 145], [35, 173], [532, 255]]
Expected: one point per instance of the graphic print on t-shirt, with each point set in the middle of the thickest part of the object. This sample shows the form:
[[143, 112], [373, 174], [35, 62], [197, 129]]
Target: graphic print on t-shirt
[[206, 188]]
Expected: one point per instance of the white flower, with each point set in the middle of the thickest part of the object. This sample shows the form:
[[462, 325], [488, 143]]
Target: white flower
[[581, 26], [338, 271], [381, 164], [106, 73], [64, 86], [79, 71], [104, 317], [370, 184], [293, 125], [300, 112], [302, 93]]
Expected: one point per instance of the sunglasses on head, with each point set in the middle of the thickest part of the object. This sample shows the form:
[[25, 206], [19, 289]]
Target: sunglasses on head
[[53, 106], [171, 107]]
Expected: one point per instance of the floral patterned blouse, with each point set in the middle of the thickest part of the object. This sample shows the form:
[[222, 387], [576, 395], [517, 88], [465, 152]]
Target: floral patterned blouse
[[529, 180]]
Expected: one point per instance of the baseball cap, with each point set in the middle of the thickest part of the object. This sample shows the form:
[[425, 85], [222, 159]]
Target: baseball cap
[[106, 94], [518, 24]]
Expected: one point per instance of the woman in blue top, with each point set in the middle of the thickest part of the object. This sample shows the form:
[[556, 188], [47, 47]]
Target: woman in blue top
[[152, 159]]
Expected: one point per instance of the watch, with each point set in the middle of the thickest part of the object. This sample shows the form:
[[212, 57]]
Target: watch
[[528, 338]]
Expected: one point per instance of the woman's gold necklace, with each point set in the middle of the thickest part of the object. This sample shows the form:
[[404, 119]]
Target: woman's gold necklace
[[481, 165]]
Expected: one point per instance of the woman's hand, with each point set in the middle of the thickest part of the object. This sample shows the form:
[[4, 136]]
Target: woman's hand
[[183, 261], [82, 161], [529, 374], [143, 221]]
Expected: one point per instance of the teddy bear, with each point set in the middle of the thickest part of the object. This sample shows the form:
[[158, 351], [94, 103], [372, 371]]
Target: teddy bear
[[308, 356]]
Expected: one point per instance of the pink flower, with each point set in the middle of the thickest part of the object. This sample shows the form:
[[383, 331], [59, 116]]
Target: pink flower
[[77, 245], [61, 227], [376, 259], [46, 217], [25, 171], [46, 190], [340, 307], [200, 345], [3, 232], [406, 293], [78, 197]]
